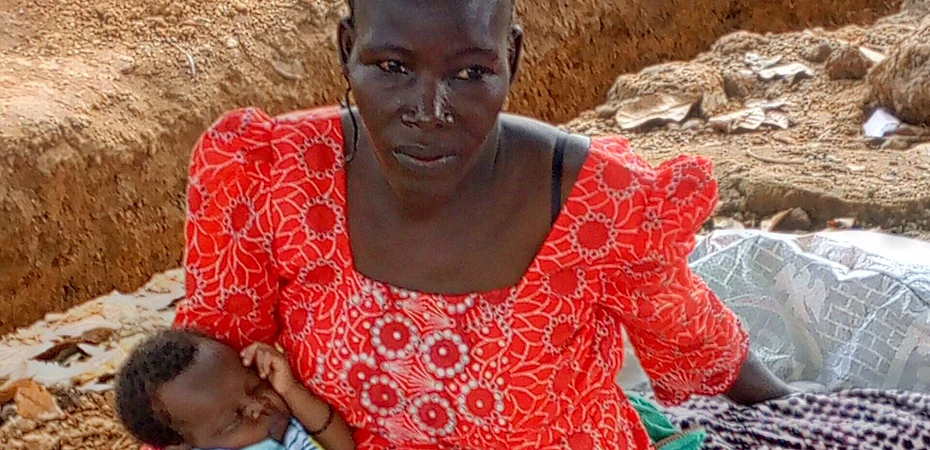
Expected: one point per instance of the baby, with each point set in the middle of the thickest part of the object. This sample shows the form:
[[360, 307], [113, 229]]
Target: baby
[[182, 389]]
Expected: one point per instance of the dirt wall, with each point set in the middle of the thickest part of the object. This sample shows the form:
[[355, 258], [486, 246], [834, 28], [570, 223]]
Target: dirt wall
[[100, 101]]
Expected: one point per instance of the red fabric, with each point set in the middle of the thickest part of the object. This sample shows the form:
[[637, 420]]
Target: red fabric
[[530, 367]]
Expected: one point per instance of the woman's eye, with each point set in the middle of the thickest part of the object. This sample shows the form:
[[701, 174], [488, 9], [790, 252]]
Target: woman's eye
[[473, 73], [391, 66]]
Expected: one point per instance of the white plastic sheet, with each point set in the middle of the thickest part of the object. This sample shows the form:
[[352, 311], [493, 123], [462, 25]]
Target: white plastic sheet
[[844, 309]]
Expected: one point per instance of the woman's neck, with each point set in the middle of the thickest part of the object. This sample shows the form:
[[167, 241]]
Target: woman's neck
[[416, 204]]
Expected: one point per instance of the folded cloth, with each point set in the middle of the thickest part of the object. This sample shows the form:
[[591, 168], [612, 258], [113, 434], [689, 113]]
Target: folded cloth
[[663, 433]]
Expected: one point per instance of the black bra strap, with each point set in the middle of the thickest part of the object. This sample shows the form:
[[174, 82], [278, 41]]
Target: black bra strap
[[557, 167]]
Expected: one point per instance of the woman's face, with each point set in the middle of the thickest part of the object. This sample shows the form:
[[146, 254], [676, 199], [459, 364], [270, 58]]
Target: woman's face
[[430, 78]]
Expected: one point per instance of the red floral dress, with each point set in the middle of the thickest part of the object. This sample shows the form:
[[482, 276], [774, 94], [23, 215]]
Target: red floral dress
[[528, 367]]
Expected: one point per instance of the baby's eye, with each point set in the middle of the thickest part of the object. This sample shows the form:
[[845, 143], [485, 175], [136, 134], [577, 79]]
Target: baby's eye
[[473, 73], [392, 66]]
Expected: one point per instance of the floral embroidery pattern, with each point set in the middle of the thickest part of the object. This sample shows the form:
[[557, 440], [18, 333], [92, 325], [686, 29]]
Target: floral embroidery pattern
[[530, 367]]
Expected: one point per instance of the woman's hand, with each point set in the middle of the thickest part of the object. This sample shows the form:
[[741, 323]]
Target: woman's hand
[[756, 384], [271, 365]]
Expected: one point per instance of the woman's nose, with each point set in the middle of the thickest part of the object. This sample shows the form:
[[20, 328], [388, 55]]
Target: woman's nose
[[430, 106]]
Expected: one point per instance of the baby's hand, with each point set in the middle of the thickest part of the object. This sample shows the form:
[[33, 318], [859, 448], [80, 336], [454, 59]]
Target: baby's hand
[[272, 366]]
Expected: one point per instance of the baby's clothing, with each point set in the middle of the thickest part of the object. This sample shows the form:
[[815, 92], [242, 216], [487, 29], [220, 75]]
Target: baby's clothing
[[295, 438]]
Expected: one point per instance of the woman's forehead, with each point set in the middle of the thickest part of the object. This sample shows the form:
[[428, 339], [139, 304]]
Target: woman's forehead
[[393, 22]]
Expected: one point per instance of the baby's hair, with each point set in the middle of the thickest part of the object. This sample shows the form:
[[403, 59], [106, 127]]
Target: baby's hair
[[156, 361]]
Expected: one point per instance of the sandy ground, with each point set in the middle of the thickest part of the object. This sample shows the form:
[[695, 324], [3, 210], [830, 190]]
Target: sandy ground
[[810, 152]]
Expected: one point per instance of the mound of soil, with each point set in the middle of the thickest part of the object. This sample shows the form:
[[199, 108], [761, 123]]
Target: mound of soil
[[812, 154], [101, 100]]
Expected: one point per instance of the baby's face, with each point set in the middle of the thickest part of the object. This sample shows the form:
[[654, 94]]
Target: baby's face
[[218, 403]]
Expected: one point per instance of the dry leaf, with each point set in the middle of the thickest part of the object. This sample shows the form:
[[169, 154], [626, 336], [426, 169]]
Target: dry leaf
[[767, 105], [102, 365], [13, 358], [794, 219], [159, 302], [872, 55], [757, 62], [97, 335], [843, 223], [653, 109], [793, 72], [9, 388], [777, 119], [34, 401], [60, 352], [775, 221], [743, 120], [756, 114], [163, 283]]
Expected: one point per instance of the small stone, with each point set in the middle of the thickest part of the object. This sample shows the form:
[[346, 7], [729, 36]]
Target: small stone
[[606, 111], [797, 220], [847, 63], [817, 53], [126, 64], [693, 124], [901, 82], [737, 84], [7, 412], [232, 42]]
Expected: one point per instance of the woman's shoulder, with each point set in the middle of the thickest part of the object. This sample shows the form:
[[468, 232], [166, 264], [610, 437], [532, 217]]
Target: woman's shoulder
[[677, 194], [249, 141], [621, 164], [254, 123]]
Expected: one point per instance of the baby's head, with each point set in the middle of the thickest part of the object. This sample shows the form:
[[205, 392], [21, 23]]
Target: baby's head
[[181, 388]]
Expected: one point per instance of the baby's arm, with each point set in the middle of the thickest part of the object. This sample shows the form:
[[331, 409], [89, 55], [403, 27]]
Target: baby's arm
[[310, 410]]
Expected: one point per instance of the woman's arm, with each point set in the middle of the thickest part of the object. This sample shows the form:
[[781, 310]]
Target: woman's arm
[[756, 383]]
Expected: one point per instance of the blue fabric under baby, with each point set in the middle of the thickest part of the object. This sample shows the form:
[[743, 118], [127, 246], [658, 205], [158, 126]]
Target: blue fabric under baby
[[295, 438]]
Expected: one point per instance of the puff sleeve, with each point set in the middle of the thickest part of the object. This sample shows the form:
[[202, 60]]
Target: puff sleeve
[[231, 281], [688, 341]]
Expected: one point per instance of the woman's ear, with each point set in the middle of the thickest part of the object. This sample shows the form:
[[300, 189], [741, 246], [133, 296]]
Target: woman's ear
[[516, 51], [346, 35]]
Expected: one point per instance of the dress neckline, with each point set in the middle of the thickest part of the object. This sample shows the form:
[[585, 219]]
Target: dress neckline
[[557, 231]]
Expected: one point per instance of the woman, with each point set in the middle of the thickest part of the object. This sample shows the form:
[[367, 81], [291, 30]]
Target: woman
[[449, 276]]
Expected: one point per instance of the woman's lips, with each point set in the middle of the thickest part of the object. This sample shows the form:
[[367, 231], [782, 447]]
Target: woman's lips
[[423, 163]]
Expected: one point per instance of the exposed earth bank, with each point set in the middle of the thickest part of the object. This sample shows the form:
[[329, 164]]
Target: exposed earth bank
[[101, 100]]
